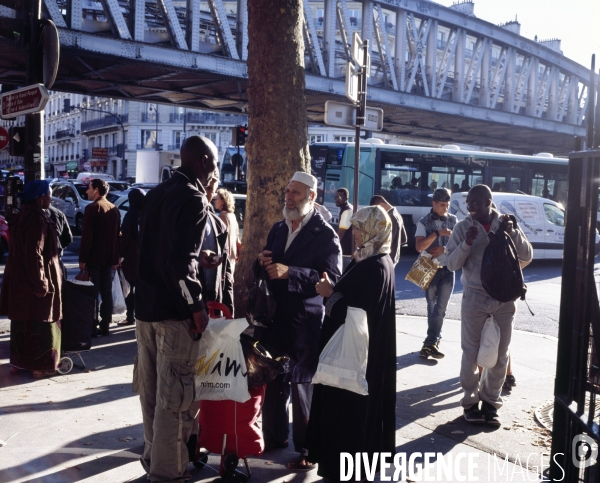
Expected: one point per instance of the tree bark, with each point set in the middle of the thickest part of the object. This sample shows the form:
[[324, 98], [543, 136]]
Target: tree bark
[[277, 128]]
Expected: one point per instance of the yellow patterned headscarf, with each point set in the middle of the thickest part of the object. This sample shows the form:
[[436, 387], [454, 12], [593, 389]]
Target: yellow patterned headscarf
[[376, 228]]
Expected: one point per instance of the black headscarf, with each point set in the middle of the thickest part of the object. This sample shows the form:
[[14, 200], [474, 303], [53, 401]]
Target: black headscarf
[[131, 221]]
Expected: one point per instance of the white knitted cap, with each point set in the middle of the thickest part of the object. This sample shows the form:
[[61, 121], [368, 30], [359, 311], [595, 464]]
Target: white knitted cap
[[305, 178]]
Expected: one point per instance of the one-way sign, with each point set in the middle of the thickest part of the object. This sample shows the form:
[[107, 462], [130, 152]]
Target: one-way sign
[[24, 101]]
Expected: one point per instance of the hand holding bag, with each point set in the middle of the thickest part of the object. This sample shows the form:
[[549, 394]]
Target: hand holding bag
[[83, 276], [119, 306], [423, 270], [343, 362], [261, 301], [489, 342]]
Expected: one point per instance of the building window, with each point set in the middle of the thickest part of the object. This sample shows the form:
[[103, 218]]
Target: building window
[[177, 139], [343, 139], [211, 135], [317, 138], [148, 138]]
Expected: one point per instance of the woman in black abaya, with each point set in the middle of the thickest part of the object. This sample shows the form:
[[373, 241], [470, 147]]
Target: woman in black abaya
[[342, 421]]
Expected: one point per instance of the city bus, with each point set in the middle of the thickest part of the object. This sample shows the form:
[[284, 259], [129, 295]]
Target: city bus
[[407, 175]]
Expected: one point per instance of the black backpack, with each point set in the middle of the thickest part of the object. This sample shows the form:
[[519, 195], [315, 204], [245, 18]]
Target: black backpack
[[501, 274]]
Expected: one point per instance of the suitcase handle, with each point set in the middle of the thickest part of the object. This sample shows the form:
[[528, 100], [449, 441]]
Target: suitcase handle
[[213, 307]]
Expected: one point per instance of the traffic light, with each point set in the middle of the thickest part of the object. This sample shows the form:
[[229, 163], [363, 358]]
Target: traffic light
[[241, 133], [67, 106], [17, 140]]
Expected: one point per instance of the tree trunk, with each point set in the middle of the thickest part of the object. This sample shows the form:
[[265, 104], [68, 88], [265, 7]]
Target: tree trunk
[[277, 131]]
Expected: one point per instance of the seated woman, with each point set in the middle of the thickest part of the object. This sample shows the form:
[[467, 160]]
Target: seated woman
[[367, 283], [31, 287]]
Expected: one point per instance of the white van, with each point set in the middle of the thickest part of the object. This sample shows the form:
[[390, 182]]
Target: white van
[[542, 220], [87, 177]]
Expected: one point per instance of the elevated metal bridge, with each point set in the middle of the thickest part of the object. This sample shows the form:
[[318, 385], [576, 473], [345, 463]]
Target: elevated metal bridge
[[437, 72]]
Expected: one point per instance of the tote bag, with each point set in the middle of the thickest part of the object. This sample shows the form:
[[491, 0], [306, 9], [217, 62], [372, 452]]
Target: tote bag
[[343, 362]]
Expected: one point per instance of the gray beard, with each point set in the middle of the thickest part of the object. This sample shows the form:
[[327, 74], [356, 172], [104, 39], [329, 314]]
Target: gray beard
[[299, 212]]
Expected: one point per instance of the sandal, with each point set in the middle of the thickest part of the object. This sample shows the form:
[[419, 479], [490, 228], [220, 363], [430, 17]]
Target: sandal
[[301, 465]]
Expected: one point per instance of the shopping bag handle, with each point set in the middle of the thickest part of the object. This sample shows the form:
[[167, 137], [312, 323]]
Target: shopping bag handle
[[217, 306]]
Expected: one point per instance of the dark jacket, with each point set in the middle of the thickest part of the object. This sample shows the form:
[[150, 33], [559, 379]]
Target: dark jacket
[[100, 234], [130, 234], [65, 237], [399, 237], [172, 229], [297, 323], [32, 266], [224, 287]]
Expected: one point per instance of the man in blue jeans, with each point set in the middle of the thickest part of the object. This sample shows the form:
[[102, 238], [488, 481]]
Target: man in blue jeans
[[432, 235]]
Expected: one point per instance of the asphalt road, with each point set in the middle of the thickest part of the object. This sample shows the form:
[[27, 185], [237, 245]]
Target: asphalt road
[[543, 278]]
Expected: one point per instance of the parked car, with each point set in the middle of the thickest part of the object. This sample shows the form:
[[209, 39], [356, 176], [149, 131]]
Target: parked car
[[542, 220]]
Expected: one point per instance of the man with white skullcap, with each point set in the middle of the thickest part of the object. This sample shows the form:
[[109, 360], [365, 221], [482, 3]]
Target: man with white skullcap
[[299, 249]]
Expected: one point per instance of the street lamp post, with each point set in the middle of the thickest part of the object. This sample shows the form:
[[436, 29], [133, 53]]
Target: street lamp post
[[156, 136]]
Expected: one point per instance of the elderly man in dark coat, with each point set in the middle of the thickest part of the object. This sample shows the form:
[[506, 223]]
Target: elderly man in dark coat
[[299, 250]]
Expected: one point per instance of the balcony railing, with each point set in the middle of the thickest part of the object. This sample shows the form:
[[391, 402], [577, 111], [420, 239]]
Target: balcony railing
[[213, 118], [176, 117], [150, 117], [103, 122], [65, 133]]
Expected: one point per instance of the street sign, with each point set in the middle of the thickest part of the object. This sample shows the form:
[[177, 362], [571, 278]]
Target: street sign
[[352, 82], [341, 114], [3, 138], [24, 101], [357, 49]]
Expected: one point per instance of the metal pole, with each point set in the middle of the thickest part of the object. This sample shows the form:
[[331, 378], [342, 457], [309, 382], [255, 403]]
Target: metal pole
[[360, 118], [34, 148]]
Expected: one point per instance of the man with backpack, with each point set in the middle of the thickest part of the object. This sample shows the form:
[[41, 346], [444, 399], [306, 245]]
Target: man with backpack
[[466, 250]]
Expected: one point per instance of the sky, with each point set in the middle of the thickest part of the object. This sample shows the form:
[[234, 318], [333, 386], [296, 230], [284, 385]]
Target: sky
[[575, 22]]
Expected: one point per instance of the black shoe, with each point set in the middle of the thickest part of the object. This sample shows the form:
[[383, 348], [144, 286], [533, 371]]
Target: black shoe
[[509, 382], [473, 414], [105, 333], [430, 350], [490, 414]]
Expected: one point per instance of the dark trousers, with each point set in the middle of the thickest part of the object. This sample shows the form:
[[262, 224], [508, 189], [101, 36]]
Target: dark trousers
[[102, 280], [130, 303], [275, 415]]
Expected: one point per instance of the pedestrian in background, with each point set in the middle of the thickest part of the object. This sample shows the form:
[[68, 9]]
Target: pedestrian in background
[[65, 237], [299, 249], [170, 310], [225, 203], [99, 250], [465, 250], [342, 421], [32, 283], [128, 248], [399, 237], [432, 235], [344, 227], [217, 282]]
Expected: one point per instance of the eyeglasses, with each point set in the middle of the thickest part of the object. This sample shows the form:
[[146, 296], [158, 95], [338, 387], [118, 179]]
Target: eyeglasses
[[338, 197]]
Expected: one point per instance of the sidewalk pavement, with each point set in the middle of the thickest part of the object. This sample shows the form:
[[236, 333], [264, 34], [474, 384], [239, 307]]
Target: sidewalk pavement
[[87, 425]]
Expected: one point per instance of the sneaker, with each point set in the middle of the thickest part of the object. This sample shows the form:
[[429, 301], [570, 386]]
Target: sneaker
[[473, 415], [430, 350], [490, 414], [509, 382]]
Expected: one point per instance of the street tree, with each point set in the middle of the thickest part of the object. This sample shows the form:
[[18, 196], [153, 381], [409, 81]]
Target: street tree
[[277, 128]]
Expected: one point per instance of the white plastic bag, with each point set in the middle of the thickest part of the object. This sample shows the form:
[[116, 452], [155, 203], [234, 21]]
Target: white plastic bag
[[124, 283], [119, 306], [343, 362], [221, 371], [488, 345]]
